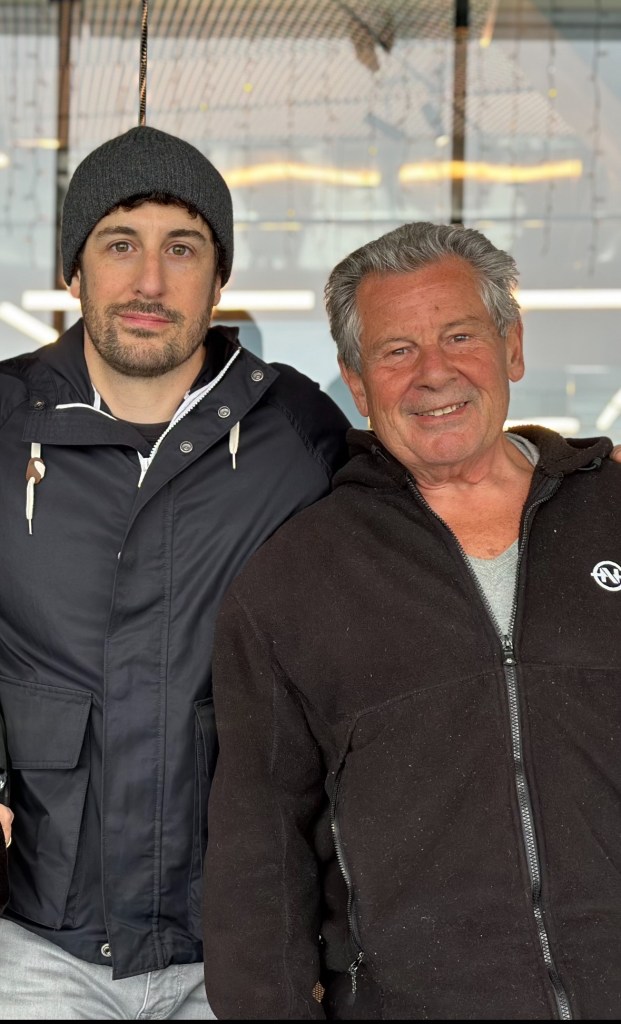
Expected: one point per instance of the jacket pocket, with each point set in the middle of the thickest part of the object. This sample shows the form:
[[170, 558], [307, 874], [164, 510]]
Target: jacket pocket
[[45, 736], [206, 756]]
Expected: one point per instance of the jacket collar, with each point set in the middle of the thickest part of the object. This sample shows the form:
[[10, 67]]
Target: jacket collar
[[58, 376], [371, 463], [65, 360]]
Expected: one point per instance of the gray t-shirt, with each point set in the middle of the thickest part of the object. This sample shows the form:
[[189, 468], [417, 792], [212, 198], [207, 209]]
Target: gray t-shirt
[[496, 576]]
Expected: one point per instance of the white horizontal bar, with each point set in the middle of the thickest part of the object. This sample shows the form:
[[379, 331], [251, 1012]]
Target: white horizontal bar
[[50, 300], [292, 301], [569, 298]]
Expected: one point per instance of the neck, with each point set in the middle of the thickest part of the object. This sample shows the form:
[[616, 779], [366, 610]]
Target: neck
[[492, 468], [141, 399], [483, 502]]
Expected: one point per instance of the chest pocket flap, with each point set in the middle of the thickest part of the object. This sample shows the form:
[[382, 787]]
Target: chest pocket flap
[[45, 725]]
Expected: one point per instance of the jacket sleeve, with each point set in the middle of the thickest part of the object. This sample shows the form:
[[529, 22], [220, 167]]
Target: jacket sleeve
[[4, 799], [261, 910]]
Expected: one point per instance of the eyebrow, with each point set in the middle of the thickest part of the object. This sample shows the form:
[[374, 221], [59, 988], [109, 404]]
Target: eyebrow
[[463, 321], [125, 229], [402, 339]]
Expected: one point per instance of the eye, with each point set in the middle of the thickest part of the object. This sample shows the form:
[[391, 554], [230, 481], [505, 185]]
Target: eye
[[179, 249], [460, 337], [121, 247]]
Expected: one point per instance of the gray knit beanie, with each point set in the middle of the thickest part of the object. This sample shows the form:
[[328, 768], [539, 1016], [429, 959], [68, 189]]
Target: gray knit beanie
[[141, 161]]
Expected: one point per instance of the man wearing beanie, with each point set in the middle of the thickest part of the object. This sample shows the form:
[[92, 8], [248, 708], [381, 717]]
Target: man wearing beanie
[[144, 457]]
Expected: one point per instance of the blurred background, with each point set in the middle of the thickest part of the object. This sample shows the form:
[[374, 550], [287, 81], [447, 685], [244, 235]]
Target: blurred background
[[334, 122]]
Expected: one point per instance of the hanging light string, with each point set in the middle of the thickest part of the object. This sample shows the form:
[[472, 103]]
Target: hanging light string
[[551, 126], [517, 201], [142, 88], [596, 142]]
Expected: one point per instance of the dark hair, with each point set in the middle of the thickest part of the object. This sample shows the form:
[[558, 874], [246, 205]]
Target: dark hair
[[162, 199]]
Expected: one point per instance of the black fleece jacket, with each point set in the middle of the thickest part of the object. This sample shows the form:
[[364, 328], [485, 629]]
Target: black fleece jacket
[[471, 784]]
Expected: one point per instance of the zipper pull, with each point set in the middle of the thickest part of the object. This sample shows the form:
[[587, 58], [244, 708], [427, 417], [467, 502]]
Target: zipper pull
[[352, 970], [508, 654]]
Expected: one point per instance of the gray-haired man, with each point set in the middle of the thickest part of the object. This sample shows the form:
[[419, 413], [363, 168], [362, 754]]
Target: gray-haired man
[[144, 457], [435, 651]]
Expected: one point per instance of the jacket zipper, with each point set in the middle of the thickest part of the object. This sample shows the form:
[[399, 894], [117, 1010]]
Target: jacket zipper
[[352, 970], [189, 403], [182, 413], [521, 783]]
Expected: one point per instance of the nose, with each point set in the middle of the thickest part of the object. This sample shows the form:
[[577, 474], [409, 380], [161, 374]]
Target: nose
[[149, 279], [433, 368]]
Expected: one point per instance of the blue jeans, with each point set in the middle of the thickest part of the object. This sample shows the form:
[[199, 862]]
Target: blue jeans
[[39, 981]]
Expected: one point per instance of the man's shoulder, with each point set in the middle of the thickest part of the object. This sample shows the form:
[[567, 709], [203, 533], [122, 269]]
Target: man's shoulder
[[303, 399], [15, 382], [309, 411]]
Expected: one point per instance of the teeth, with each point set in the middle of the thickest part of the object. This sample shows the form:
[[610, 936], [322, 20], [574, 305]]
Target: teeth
[[442, 412]]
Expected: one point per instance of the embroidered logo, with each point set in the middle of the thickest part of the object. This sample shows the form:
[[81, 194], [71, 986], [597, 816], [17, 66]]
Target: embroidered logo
[[607, 575]]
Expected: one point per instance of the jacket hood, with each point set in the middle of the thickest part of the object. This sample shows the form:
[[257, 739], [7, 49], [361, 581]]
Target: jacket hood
[[372, 464]]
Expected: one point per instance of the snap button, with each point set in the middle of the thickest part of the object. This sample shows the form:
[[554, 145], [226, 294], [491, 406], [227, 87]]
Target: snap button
[[105, 949], [39, 404], [186, 447], [257, 375], [224, 411]]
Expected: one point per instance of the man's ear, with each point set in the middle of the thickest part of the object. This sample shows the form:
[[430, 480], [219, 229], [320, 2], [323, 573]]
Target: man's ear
[[356, 386], [74, 287], [515, 351], [217, 291]]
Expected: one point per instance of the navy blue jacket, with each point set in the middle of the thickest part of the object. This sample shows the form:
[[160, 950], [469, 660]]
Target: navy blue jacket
[[107, 614]]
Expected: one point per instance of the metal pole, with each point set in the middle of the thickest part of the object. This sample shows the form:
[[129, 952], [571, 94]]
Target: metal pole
[[462, 19], [62, 129]]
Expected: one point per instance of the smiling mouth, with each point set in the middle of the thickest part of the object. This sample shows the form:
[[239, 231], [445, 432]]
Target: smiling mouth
[[442, 412]]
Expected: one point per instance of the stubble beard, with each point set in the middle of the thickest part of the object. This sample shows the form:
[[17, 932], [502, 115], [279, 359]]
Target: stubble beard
[[143, 359]]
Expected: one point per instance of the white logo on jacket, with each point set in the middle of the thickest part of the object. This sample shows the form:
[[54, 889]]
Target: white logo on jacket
[[607, 574]]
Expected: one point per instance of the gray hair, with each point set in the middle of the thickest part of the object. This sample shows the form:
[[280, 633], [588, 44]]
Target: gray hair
[[411, 247]]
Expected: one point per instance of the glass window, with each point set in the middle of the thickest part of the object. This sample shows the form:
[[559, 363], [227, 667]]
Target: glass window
[[334, 122]]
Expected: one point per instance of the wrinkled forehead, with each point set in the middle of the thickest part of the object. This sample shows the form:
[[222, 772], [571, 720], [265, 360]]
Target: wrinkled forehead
[[443, 292]]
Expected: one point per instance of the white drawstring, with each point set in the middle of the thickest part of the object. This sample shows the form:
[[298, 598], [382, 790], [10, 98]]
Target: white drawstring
[[34, 474], [234, 443]]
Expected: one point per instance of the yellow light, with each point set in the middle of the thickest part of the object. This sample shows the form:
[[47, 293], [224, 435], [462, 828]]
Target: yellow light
[[4, 160], [261, 174], [488, 29], [280, 225], [479, 171], [37, 143]]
